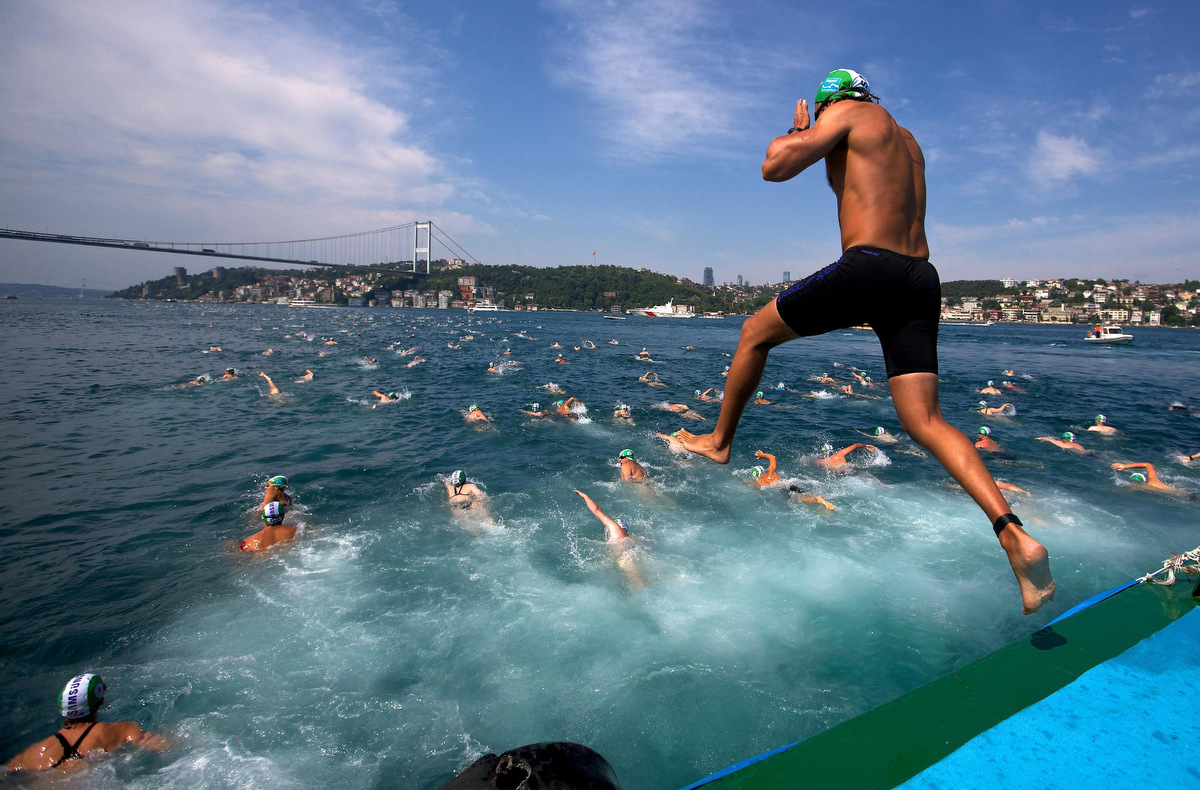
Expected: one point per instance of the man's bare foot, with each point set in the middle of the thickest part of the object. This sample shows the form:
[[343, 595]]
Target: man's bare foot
[[1031, 566], [703, 445]]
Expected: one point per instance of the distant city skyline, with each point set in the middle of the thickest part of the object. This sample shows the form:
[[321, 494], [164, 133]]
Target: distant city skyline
[[559, 132]]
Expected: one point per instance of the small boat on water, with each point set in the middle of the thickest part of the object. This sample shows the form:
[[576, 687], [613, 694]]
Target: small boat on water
[[1109, 335], [307, 303], [663, 311], [615, 317]]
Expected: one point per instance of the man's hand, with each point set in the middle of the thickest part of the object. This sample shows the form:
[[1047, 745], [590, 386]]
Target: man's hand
[[800, 119]]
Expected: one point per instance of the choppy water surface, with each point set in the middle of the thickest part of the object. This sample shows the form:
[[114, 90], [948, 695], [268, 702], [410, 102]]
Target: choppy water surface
[[389, 646]]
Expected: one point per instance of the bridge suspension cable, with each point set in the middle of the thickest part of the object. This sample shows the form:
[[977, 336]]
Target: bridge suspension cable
[[395, 246]]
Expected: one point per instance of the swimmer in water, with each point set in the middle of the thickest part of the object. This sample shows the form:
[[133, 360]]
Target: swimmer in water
[[475, 414], [622, 414], [990, 411], [1177, 406], [214, 349], [416, 360], [613, 342], [588, 344], [837, 461], [710, 394], [331, 342], [985, 441], [1008, 385], [1008, 372], [764, 477], [631, 470], [82, 734], [273, 530], [616, 533], [863, 379], [493, 368], [308, 376], [535, 410], [199, 381], [1187, 459], [415, 349], [273, 390], [651, 378], [564, 406], [683, 410], [827, 380], [368, 360], [1067, 442], [559, 359], [268, 352], [1101, 426], [673, 443], [1149, 478], [230, 373], [725, 372], [554, 388], [275, 490], [760, 400], [990, 389], [384, 397], [466, 499], [556, 344], [880, 434], [643, 354], [689, 348]]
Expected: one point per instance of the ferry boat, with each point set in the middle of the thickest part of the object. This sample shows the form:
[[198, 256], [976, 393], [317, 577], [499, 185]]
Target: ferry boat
[[663, 311], [307, 303], [1109, 335], [486, 306]]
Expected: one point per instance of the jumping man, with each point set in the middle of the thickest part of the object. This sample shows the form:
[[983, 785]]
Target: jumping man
[[884, 278]]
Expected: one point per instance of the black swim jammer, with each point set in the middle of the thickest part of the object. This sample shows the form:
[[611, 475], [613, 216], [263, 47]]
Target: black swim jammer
[[899, 296]]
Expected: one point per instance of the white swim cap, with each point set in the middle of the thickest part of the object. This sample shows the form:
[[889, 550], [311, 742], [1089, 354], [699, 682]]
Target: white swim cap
[[827, 449], [759, 394], [983, 404], [880, 431], [458, 477], [536, 406], [273, 512], [81, 696], [621, 523], [985, 431]]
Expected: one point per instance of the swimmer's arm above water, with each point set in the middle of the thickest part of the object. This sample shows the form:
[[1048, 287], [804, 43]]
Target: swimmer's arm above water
[[791, 154], [612, 529]]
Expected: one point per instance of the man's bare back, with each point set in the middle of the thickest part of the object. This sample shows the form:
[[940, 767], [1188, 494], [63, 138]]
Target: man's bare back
[[873, 164]]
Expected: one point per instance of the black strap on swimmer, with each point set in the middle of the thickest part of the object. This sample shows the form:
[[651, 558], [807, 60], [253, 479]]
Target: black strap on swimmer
[[71, 751], [1008, 518]]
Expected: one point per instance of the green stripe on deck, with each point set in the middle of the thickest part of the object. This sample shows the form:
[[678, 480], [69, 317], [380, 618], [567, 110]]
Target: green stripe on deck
[[892, 743]]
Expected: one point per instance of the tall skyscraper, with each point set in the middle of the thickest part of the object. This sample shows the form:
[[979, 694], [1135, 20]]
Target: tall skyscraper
[[739, 281], [708, 277], [787, 276]]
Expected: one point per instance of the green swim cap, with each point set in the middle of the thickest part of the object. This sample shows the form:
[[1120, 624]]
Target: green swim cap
[[983, 404], [393, 396], [880, 431], [757, 471], [990, 382], [626, 454], [1101, 419], [842, 83], [273, 512], [1137, 477], [827, 449], [458, 477], [81, 696], [472, 407], [697, 393], [536, 406], [558, 403], [279, 481], [759, 394], [985, 431], [1070, 437]]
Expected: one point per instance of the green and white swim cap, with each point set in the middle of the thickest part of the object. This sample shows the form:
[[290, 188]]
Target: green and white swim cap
[[458, 477], [1101, 419], [621, 523], [626, 454], [273, 512], [473, 407], [1070, 437], [535, 406], [81, 696], [757, 471], [880, 431], [842, 83], [558, 403], [985, 431], [697, 393], [279, 481], [1137, 477], [759, 394], [983, 404], [990, 382], [827, 449]]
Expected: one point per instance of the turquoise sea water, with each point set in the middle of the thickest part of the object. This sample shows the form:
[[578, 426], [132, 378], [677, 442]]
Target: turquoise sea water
[[389, 646]]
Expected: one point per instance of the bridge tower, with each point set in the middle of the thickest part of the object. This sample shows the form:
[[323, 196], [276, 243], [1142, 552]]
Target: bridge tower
[[427, 248]]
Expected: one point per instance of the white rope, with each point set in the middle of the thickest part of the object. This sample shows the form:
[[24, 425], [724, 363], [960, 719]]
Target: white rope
[[1188, 562]]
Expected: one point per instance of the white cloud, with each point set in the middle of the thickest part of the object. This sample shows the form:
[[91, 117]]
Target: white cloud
[[1056, 160], [664, 75], [203, 102]]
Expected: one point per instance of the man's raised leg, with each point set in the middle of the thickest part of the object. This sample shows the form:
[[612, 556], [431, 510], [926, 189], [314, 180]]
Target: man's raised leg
[[915, 396], [762, 332]]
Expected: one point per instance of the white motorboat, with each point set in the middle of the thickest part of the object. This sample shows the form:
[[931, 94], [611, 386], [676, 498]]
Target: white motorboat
[[486, 306], [663, 311], [1109, 335]]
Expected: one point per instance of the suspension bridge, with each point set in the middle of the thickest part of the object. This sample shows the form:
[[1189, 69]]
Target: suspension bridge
[[396, 247]]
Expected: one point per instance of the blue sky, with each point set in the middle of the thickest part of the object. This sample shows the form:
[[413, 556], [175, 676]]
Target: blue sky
[[1062, 138]]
